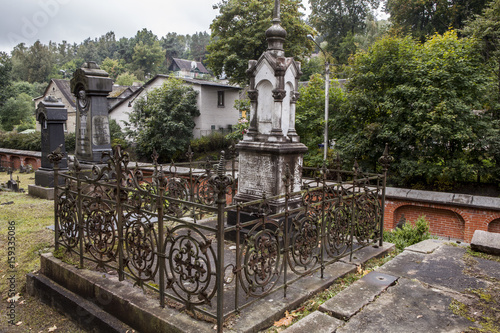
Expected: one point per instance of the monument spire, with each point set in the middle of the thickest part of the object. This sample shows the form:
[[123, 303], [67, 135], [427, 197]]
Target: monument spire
[[276, 34]]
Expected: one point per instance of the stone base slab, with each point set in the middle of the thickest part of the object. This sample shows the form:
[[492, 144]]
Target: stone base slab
[[41, 192]]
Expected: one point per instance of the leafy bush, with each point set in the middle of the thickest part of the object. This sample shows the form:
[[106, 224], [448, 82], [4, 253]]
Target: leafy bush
[[29, 141], [70, 142], [408, 234], [215, 142]]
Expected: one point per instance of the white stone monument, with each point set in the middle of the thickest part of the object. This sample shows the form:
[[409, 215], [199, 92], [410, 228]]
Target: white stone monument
[[271, 142]]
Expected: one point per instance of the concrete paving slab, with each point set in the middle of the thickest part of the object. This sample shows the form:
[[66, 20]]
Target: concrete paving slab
[[348, 302], [487, 242], [316, 322], [443, 268], [373, 251], [407, 307], [426, 246]]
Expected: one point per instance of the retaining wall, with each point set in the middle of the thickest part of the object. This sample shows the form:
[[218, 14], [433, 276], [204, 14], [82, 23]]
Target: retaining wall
[[450, 215], [15, 158]]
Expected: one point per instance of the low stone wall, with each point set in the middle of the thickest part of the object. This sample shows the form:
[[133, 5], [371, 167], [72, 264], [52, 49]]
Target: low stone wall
[[15, 158], [450, 215]]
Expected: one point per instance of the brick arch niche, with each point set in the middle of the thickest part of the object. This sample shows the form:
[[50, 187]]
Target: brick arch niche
[[494, 226], [442, 222]]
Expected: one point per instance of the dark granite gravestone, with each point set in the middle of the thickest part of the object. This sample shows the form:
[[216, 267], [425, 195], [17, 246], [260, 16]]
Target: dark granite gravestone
[[51, 114], [91, 86]]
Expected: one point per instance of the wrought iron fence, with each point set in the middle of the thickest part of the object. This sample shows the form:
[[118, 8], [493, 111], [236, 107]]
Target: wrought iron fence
[[168, 230]]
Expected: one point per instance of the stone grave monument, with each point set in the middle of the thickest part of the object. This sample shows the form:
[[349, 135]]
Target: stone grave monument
[[271, 143], [51, 114], [91, 86]]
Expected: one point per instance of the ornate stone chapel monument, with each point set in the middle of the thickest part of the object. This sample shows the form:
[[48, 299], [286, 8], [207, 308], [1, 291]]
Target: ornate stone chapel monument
[[271, 144]]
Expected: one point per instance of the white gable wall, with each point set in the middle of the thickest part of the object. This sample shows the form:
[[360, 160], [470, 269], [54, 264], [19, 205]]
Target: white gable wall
[[210, 113]]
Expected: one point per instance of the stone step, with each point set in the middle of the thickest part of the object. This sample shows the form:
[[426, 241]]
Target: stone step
[[316, 322], [85, 313], [349, 301]]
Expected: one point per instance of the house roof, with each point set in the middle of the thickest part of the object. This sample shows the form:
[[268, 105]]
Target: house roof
[[136, 93], [187, 65], [63, 86]]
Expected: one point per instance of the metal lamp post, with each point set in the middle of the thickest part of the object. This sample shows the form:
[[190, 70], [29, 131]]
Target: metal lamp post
[[327, 93]]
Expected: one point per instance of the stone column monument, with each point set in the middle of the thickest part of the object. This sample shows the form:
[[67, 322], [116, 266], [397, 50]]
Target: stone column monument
[[271, 142], [91, 85], [51, 114]]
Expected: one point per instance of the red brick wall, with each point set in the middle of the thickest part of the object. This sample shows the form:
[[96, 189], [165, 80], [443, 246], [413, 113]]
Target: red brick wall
[[453, 220], [442, 222]]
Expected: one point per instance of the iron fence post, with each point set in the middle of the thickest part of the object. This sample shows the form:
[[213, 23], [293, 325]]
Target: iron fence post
[[119, 209], [79, 209], [161, 254], [385, 160], [220, 182], [55, 157]]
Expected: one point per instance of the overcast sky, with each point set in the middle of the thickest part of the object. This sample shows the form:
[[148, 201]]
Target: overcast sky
[[75, 20]]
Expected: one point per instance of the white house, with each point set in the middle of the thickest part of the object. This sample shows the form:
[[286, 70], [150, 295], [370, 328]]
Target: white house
[[215, 102]]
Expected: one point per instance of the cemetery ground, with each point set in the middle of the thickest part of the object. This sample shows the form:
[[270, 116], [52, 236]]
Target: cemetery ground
[[28, 218], [31, 216]]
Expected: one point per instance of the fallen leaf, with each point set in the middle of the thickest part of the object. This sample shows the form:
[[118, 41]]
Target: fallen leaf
[[53, 328], [285, 321]]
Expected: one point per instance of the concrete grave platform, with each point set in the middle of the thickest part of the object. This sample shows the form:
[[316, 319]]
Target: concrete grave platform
[[407, 307], [348, 302], [442, 268], [143, 313]]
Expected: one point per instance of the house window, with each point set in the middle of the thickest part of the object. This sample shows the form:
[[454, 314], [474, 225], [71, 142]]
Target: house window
[[220, 99]]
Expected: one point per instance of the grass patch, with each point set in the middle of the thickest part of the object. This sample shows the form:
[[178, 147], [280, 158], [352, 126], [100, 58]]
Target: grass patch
[[30, 217]]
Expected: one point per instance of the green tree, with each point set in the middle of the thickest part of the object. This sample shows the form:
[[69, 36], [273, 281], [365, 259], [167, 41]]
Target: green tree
[[16, 111], [420, 99], [126, 79], [423, 18], [338, 21], [5, 74], [238, 34], [174, 46], [113, 67], [486, 28], [148, 58], [32, 64], [163, 120], [198, 46]]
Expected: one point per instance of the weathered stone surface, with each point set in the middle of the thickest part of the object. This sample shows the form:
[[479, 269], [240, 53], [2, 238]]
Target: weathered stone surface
[[41, 192], [348, 302], [407, 307], [91, 85], [373, 251], [426, 246], [488, 242], [444, 268], [316, 322]]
